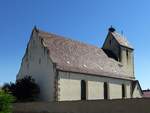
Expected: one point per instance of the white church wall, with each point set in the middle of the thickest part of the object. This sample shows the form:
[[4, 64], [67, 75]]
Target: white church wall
[[115, 91], [128, 62], [37, 64], [137, 92], [69, 89], [95, 90], [128, 90]]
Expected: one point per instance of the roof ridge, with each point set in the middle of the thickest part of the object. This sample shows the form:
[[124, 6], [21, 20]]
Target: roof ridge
[[121, 39]]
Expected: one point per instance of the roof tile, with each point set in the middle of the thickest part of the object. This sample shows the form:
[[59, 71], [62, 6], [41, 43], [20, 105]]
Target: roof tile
[[75, 56], [121, 40]]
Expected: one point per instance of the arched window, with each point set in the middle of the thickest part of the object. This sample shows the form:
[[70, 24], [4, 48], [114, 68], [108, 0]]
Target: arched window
[[105, 90], [83, 90]]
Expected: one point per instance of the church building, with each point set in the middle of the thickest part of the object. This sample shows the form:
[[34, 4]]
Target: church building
[[68, 70]]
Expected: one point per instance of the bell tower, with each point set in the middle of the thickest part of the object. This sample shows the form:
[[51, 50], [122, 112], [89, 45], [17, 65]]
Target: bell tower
[[118, 48]]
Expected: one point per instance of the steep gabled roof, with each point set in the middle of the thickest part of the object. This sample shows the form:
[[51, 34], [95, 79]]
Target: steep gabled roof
[[121, 40], [75, 56]]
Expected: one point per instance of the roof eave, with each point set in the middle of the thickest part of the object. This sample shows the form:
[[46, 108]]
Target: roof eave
[[98, 75], [126, 47], [129, 47]]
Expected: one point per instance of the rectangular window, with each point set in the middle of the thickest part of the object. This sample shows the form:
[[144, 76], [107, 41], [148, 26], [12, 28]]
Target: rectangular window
[[105, 90], [83, 90], [123, 91]]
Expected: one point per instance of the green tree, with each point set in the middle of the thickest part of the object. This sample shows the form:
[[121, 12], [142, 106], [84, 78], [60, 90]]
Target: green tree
[[6, 100], [24, 89]]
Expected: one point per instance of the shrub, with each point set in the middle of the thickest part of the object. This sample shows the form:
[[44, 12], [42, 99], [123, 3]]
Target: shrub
[[24, 89], [6, 100]]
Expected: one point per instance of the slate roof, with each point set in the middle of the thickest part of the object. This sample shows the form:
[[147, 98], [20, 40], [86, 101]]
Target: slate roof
[[121, 40], [75, 56]]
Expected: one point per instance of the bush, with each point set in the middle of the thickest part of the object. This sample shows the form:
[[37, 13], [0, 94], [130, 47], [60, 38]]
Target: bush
[[6, 100], [24, 89]]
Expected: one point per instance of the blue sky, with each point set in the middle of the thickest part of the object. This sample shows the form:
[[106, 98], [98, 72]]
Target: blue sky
[[84, 20]]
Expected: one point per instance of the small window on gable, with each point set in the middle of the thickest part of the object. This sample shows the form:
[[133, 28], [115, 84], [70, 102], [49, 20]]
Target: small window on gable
[[33, 41], [39, 60]]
